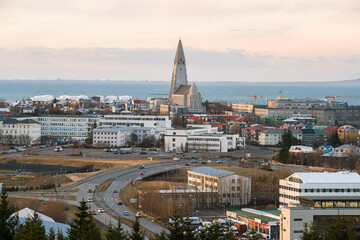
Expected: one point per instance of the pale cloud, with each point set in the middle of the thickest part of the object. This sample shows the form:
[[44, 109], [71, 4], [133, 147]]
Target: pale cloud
[[274, 39], [156, 64]]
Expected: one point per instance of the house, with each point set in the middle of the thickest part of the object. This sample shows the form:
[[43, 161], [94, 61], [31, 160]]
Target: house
[[327, 148], [348, 149], [296, 149]]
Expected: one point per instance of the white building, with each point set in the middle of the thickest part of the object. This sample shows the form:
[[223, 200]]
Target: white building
[[318, 184], [48, 222], [25, 131], [74, 126], [273, 136], [118, 137], [233, 188], [199, 138], [159, 123], [293, 219]]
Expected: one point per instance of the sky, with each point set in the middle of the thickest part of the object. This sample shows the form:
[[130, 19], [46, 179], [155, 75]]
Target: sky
[[243, 41]]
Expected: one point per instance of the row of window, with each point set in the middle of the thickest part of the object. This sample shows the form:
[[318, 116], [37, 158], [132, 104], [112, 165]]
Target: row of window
[[204, 139], [135, 118], [289, 197], [63, 119], [323, 190]]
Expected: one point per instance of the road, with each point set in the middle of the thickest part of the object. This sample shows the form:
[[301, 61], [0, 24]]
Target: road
[[108, 199]]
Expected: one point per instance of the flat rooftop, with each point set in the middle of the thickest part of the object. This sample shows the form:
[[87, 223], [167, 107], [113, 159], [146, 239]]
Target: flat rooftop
[[265, 215]]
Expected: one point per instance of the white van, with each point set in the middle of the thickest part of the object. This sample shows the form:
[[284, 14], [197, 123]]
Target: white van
[[193, 220]]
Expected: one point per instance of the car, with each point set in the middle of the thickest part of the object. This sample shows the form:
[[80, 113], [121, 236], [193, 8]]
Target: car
[[187, 164], [120, 203], [219, 161], [89, 200], [100, 210], [153, 152], [107, 150], [125, 213], [115, 191], [143, 152], [139, 214], [116, 152], [13, 151], [203, 162], [142, 174], [113, 150], [93, 212], [89, 190], [141, 167]]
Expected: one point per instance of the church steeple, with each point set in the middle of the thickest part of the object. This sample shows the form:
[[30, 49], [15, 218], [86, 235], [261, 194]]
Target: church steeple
[[179, 76]]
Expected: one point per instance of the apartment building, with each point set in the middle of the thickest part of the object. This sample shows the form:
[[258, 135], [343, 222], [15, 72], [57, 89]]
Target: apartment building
[[74, 126], [348, 133], [233, 189], [118, 137], [308, 137], [336, 115], [199, 138], [272, 137], [13, 131], [159, 123], [318, 184]]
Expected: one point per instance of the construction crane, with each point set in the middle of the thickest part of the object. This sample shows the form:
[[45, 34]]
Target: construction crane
[[334, 97], [241, 95]]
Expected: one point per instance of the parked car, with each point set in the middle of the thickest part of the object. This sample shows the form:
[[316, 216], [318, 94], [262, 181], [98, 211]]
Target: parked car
[[125, 213], [107, 150], [13, 151], [203, 162], [113, 150], [139, 214], [187, 164]]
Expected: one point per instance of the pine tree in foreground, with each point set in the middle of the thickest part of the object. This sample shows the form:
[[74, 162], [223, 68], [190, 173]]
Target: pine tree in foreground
[[8, 224], [31, 229], [136, 233], [116, 233], [83, 227]]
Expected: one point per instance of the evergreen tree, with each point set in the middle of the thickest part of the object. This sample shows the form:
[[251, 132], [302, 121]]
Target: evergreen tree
[[230, 236], [51, 235], [83, 227], [161, 236], [136, 233], [32, 229], [115, 233], [60, 235], [8, 224], [334, 140], [338, 230], [312, 233], [214, 232], [287, 139]]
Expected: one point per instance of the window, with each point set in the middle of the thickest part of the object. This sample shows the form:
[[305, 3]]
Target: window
[[173, 139], [233, 181], [297, 219]]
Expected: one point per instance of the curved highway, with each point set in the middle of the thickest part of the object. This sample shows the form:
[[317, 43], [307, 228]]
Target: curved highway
[[108, 199]]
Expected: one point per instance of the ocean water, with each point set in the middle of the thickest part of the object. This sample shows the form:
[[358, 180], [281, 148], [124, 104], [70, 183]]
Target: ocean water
[[214, 91]]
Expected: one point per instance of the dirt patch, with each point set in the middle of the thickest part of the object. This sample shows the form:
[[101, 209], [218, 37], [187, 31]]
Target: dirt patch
[[103, 186]]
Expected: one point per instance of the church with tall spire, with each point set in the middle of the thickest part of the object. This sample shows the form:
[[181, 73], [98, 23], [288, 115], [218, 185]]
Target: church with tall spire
[[181, 93]]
